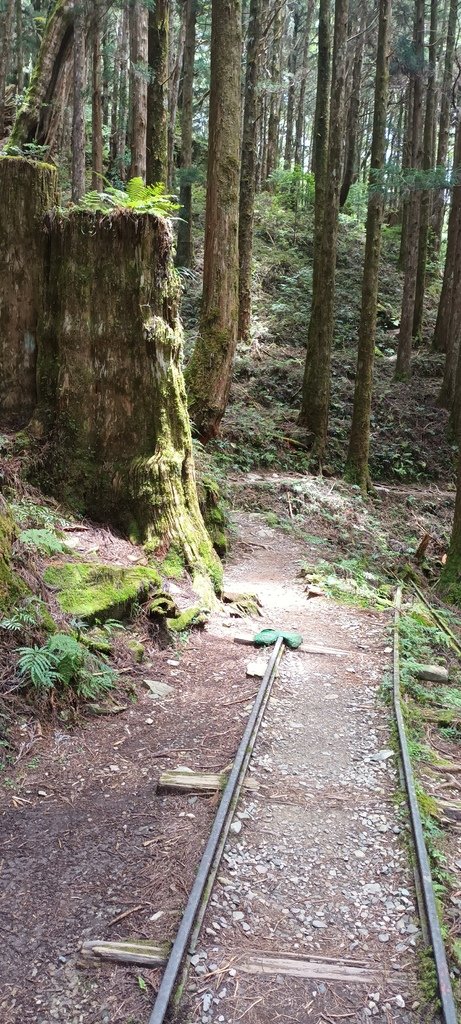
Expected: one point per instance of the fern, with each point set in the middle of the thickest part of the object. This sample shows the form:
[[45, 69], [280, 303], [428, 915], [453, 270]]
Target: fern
[[40, 665], [138, 197], [45, 541]]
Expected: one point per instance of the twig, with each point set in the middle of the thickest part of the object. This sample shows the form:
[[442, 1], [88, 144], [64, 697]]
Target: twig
[[126, 913]]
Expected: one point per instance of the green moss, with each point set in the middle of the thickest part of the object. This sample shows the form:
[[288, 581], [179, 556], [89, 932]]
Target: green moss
[[161, 605], [100, 591], [137, 650], [12, 587], [194, 616], [173, 564]]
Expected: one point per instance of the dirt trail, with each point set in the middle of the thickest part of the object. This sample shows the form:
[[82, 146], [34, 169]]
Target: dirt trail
[[316, 865]]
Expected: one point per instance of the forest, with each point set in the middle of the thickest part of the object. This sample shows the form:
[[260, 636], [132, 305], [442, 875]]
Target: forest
[[230, 415]]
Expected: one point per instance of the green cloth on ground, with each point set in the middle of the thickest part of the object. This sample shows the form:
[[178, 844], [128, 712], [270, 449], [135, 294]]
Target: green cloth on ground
[[267, 637]]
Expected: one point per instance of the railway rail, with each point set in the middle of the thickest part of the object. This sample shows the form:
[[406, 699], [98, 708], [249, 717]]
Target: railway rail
[[183, 948]]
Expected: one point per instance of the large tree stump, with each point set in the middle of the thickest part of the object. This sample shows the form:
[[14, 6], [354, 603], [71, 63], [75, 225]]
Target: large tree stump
[[112, 402], [27, 190]]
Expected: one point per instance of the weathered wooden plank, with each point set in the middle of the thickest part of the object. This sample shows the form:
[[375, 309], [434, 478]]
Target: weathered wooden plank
[[145, 954], [307, 968], [203, 782]]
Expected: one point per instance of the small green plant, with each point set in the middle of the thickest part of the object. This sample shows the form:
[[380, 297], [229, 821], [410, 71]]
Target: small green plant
[[45, 540], [22, 619], [66, 663], [137, 197], [141, 983]]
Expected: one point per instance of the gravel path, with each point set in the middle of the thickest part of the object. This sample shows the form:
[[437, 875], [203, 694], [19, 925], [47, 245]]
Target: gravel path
[[316, 867]]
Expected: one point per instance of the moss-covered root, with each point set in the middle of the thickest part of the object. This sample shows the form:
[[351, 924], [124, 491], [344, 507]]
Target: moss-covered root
[[110, 387], [99, 592], [27, 190]]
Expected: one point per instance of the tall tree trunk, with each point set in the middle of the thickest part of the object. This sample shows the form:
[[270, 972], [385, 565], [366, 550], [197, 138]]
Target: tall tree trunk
[[138, 77], [273, 126], [157, 94], [352, 157], [406, 163], [32, 119], [444, 123], [58, 109], [175, 75], [300, 115], [451, 269], [19, 48], [248, 169], [316, 383], [28, 189], [210, 370], [78, 122], [5, 58], [450, 580], [292, 68], [403, 366], [96, 102], [185, 254], [428, 163], [357, 465], [123, 96]]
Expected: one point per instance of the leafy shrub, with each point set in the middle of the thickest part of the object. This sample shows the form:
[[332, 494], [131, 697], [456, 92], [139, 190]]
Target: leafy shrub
[[66, 663], [138, 197], [46, 541]]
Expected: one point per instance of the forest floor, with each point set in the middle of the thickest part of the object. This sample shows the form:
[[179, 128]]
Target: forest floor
[[91, 849]]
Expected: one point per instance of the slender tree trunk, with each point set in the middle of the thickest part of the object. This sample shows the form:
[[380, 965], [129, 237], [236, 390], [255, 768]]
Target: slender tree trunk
[[58, 109], [316, 383], [406, 163], [19, 48], [248, 169], [357, 465], [292, 68], [444, 123], [157, 95], [175, 76], [450, 580], [185, 254], [273, 125], [5, 58], [300, 115], [352, 157], [78, 123], [138, 76], [450, 271], [123, 96], [403, 366], [428, 163], [96, 104], [210, 370]]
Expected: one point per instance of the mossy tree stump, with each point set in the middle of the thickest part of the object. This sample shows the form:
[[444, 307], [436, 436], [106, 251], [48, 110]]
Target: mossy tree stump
[[112, 402], [27, 190]]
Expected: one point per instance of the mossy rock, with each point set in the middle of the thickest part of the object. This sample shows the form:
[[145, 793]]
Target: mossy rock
[[161, 605], [194, 616], [137, 650], [100, 592]]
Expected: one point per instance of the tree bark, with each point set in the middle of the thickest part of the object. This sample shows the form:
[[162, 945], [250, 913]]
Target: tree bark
[[276, 69], [185, 253], [444, 124], [175, 75], [31, 124], [454, 227], [123, 99], [157, 94], [138, 76], [78, 123], [300, 115], [111, 399], [248, 169], [403, 366], [351, 157], [428, 163], [316, 382], [19, 48], [27, 190], [96, 106], [210, 370], [357, 465], [5, 58], [450, 580], [292, 69]]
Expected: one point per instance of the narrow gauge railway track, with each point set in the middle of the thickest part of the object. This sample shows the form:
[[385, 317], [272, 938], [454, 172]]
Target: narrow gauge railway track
[[183, 948]]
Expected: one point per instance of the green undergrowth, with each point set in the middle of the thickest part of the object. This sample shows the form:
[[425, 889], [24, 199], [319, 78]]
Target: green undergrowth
[[350, 581]]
